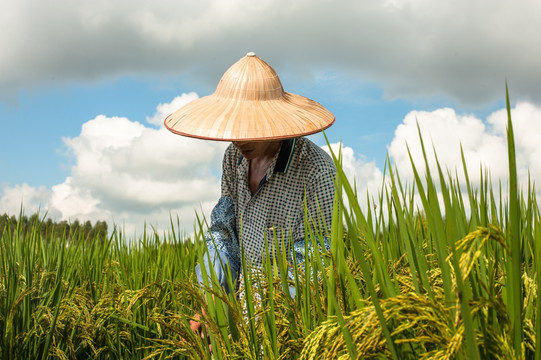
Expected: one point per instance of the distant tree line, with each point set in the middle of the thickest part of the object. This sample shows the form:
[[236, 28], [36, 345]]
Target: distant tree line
[[48, 228]]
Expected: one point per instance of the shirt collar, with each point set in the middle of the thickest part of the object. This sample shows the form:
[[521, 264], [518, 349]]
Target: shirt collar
[[285, 155]]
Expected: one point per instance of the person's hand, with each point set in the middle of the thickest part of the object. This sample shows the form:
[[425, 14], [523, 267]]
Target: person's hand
[[197, 327], [195, 324]]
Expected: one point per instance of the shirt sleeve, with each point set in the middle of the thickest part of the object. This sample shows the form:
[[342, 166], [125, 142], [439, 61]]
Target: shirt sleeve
[[221, 237], [222, 245]]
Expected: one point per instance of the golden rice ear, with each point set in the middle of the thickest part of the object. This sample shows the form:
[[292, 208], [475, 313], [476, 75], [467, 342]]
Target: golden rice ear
[[249, 104]]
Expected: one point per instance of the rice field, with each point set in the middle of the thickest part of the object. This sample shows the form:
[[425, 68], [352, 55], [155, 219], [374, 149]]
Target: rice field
[[428, 270]]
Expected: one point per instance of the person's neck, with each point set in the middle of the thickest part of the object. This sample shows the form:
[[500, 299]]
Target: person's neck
[[260, 165], [269, 154]]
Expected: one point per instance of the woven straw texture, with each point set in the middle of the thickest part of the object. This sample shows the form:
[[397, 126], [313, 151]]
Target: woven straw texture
[[249, 104]]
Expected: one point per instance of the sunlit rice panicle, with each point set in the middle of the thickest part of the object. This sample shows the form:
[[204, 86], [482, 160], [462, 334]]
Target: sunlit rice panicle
[[471, 246], [420, 320]]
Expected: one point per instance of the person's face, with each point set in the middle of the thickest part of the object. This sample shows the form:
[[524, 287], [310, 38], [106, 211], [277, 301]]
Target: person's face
[[257, 149]]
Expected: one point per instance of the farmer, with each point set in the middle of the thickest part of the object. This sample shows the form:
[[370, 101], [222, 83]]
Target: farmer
[[271, 173]]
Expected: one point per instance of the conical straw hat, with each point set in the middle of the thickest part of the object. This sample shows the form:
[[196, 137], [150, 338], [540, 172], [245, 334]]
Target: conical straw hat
[[249, 104]]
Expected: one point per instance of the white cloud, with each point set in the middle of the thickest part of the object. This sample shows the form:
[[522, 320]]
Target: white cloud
[[527, 129], [445, 131], [365, 176], [24, 197], [130, 172], [485, 146], [460, 49], [164, 110]]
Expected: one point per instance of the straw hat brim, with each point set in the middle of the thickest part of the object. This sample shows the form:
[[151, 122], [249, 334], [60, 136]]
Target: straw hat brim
[[215, 118], [249, 104]]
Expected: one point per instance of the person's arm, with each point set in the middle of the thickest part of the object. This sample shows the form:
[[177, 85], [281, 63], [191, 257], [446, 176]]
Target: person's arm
[[221, 238], [222, 244]]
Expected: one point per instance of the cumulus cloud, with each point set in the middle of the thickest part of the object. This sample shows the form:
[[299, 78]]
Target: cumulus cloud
[[24, 197], [484, 143], [527, 127], [365, 176], [164, 110], [412, 48]]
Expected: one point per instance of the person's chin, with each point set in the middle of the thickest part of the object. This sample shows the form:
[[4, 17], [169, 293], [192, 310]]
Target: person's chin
[[249, 154]]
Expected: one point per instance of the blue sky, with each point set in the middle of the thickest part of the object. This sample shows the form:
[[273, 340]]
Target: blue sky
[[84, 86]]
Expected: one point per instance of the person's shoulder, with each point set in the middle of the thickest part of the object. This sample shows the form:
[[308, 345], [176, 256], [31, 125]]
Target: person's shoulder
[[231, 156], [231, 149], [310, 153], [231, 152], [309, 148]]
